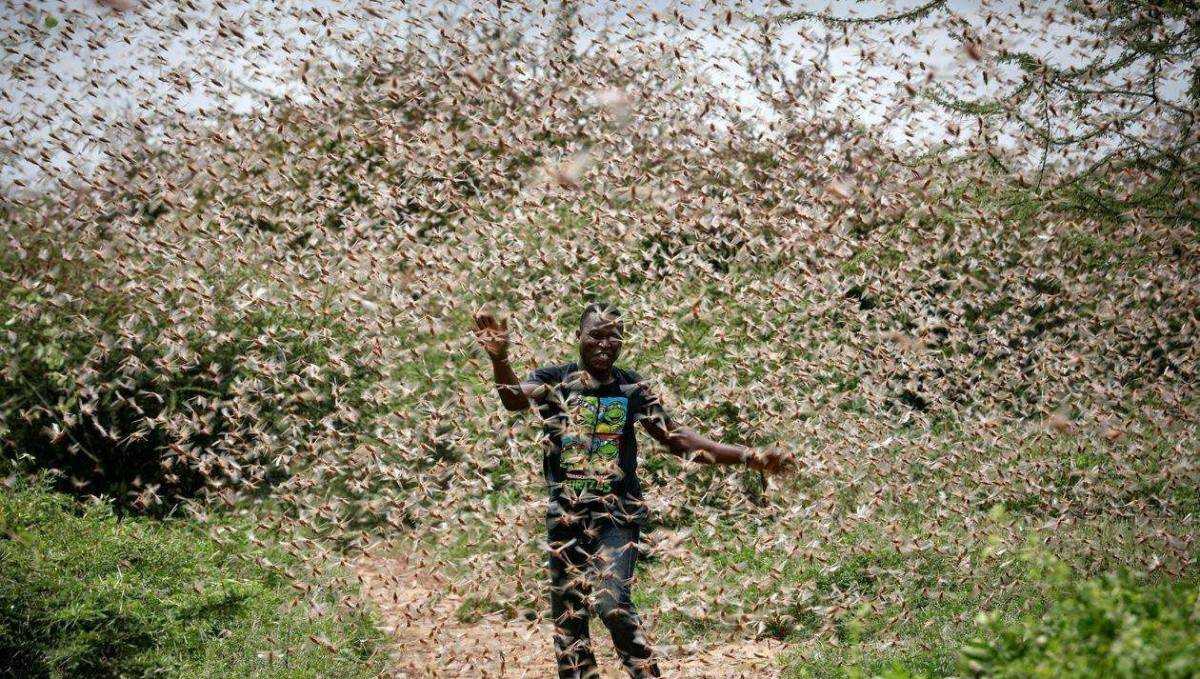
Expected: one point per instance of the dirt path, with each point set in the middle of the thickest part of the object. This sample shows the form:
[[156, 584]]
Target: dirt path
[[418, 608]]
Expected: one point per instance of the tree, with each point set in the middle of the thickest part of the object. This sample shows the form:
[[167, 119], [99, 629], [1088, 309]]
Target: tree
[[1119, 122]]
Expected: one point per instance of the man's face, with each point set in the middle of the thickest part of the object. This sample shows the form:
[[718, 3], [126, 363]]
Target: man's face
[[599, 342]]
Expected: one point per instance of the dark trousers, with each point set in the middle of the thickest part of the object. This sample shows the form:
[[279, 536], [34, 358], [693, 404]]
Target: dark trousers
[[591, 567]]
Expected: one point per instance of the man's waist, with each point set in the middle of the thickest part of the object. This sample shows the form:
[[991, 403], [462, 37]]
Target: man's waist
[[609, 506], [585, 491]]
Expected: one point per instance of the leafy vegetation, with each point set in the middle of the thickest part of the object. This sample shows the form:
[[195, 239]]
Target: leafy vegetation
[[85, 593], [1113, 626], [262, 323]]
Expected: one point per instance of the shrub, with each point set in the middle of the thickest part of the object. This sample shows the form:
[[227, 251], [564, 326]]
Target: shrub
[[152, 394], [1110, 626], [1117, 625], [83, 593]]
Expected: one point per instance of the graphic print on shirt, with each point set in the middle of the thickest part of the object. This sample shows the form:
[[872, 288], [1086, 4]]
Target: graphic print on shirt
[[592, 444]]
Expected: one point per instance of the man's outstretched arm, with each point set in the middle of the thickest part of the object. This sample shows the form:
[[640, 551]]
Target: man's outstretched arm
[[512, 391], [493, 337], [690, 444]]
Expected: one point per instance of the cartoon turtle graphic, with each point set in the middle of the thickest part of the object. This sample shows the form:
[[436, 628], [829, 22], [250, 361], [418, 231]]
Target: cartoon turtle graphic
[[601, 458], [586, 413], [611, 416], [604, 450], [574, 450]]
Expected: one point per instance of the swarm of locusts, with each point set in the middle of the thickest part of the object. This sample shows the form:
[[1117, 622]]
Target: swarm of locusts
[[269, 310]]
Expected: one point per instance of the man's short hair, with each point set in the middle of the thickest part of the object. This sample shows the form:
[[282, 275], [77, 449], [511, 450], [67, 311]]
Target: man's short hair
[[600, 307]]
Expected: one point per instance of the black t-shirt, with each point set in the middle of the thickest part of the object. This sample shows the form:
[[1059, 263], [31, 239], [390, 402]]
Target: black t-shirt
[[589, 443]]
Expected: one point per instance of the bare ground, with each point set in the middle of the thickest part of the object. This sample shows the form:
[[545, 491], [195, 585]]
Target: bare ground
[[418, 608]]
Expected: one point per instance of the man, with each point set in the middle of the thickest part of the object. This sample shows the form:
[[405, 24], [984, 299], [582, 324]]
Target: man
[[596, 510]]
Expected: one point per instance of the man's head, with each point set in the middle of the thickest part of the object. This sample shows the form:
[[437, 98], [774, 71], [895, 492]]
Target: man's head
[[600, 336]]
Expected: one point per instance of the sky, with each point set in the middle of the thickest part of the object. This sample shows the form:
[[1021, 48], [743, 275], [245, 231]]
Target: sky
[[73, 68]]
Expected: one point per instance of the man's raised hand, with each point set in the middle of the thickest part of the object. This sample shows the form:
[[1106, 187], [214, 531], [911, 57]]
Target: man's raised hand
[[492, 334], [773, 461]]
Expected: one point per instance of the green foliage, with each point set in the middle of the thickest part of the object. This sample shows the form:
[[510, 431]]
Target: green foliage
[[1115, 625], [83, 593], [1139, 172], [862, 339], [151, 401], [1110, 626]]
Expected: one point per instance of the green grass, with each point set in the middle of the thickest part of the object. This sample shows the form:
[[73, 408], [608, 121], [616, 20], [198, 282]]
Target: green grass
[[84, 593], [1120, 624]]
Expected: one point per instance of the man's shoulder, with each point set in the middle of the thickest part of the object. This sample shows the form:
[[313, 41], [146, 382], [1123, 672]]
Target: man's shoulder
[[552, 372], [564, 368], [630, 381]]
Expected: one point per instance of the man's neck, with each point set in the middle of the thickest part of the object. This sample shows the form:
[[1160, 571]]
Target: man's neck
[[601, 377]]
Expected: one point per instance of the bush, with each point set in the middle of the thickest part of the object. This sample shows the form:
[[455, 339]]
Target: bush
[[1118, 625], [154, 394], [83, 593], [1112, 626]]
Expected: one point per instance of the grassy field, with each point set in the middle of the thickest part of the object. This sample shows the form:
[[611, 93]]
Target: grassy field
[[85, 593]]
